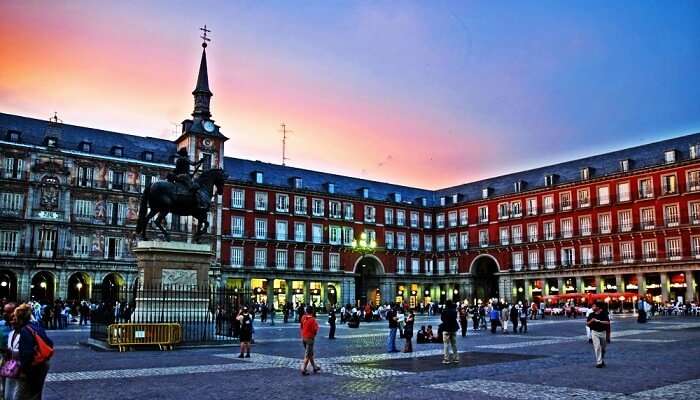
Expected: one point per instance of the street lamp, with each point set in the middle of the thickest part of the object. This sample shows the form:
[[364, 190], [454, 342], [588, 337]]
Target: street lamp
[[364, 246]]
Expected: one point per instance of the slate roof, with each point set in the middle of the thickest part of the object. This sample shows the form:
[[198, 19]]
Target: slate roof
[[33, 131]]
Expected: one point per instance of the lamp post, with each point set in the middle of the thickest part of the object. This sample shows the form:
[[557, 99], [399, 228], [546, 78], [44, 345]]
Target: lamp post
[[364, 246]]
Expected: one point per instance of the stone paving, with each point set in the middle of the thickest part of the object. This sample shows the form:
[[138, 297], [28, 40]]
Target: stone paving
[[658, 360]]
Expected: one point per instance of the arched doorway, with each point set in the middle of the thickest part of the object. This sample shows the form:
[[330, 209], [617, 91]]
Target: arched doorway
[[368, 270], [8, 285], [78, 287], [42, 287], [112, 286], [332, 293], [484, 269]]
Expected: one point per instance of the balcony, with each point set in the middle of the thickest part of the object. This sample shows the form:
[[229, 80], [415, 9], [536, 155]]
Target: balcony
[[565, 234], [584, 203], [83, 218], [550, 264], [625, 227], [603, 201], [693, 185], [565, 206], [643, 194], [13, 174], [649, 256], [648, 225], [666, 190], [694, 219], [533, 267], [623, 197], [504, 241], [11, 212], [518, 267], [517, 239], [674, 255], [672, 221]]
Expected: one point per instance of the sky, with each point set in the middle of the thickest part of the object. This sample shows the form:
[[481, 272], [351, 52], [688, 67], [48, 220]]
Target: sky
[[425, 94]]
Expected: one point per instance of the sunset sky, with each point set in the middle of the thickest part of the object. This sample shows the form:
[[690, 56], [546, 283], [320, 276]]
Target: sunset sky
[[427, 94]]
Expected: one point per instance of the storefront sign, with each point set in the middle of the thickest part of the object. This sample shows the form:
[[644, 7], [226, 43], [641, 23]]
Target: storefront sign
[[48, 214]]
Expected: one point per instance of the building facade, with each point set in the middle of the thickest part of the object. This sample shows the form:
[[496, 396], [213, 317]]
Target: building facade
[[626, 223]]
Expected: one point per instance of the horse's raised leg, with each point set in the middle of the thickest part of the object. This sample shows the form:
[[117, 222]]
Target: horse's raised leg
[[150, 215], [158, 222]]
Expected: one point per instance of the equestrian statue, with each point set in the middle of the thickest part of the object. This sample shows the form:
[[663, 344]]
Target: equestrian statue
[[182, 194]]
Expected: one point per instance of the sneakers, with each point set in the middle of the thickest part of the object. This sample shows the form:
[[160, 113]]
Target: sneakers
[[455, 360], [247, 355], [445, 361], [241, 355], [599, 366]]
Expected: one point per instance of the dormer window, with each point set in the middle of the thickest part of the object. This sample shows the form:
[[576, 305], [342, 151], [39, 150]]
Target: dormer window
[[330, 187], [51, 141], [624, 165], [549, 180], [298, 183], [585, 173], [485, 193], [517, 186], [148, 156], [670, 156], [443, 200], [13, 136], [258, 177], [85, 147], [117, 151], [365, 193], [455, 198], [397, 197], [694, 150]]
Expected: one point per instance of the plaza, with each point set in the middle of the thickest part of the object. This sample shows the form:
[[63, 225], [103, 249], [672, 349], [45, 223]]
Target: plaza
[[552, 361]]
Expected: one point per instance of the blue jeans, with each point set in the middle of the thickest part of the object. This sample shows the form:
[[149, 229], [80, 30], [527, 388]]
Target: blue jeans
[[391, 341]]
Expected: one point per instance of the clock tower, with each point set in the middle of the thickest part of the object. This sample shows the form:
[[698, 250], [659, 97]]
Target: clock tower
[[200, 135]]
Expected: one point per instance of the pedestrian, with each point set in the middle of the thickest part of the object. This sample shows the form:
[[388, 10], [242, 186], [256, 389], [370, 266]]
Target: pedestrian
[[273, 311], [641, 311], [523, 318], [245, 331], [599, 322], [463, 320], [309, 329], [588, 328], [408, 332], [505, 316], [6, 330], [475, 317], [533, 314], [449, 333], [331, 323], [514, 318], [494, 317], [393, 326]]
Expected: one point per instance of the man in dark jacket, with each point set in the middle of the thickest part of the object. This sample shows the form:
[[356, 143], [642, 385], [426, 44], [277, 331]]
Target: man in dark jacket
[[449, 333]]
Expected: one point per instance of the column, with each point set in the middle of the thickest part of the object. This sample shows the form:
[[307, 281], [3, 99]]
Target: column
[[270, 292], [307, 296], [545, 288], [599, 282], [690, 283], [579, 285], [560, 285], [642, 285], [664, 287], [528, 290], [620, 283]]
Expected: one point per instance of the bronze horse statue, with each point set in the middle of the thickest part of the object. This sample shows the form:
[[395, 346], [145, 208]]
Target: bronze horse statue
[[164, 197]]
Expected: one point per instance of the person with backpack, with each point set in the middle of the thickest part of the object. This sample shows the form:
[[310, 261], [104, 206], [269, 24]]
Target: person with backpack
[[245, 331]]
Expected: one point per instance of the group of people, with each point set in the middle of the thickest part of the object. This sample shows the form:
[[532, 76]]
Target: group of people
[[25, 352]]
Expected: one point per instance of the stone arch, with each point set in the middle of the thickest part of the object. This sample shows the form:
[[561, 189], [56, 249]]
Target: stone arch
[[471, 266], [79, 286], [113, 285], [372, 260], [8, 285], [369, 272], [43, 287], [483, 270]]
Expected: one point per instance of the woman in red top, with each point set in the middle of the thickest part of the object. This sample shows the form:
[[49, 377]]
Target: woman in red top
[[309, 329]]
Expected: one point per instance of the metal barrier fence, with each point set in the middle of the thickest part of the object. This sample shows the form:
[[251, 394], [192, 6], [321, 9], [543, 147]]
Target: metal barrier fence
[[165, 336], [205, 314]]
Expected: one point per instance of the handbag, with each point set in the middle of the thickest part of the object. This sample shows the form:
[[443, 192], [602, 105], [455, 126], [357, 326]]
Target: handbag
[[10, 369]]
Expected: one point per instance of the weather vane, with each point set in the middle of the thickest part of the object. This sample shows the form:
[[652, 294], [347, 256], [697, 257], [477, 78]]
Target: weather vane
[[204, 35]]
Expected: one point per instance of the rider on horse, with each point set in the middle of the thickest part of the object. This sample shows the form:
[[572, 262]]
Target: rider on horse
[[182, 174]]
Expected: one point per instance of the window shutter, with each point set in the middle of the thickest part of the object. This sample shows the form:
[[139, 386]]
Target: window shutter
[[110, 177]]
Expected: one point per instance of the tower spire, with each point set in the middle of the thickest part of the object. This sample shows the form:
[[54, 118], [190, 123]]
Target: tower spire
[[202, 94]]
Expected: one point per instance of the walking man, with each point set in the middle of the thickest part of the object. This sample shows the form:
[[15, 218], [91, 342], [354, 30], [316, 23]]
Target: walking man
[[309, 329], [494, 316], [523, 318], [331, 323], [393, 325], [599, 322], [449, 333], [463, 320]]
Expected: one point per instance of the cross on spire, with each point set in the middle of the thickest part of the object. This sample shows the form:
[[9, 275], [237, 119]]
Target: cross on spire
[[204, 37]]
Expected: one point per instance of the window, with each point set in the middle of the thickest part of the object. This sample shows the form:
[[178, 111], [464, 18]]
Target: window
[[9, 243], [282, 203], [453, 241], [14, 168], [85, 176], [348, 211], [13, 136], [584, 225], [547, 229], [258, 177], [623, 192], [371, 235], [317, 207], [443, 201], [317, 233], [586, 255], [115, 180], [440, 243], [116, 213], [532, 232], [693, 151], [427, 220], [671, 215], [518, 261], [260, 258], [668, 184], [51, 141], [485, 193], [237, 226], [415, 242], [550, 258], [627, 252], [670, 156], [334, 262], [440, 220], [117, 151], [695, 243], [483, 214], [483, 238], [694, 212], [516, 232], [515, 209], [531, 206], [114, 250], [503, 235], [298, 183], [568, 257], [388, 216], [533, 259], [299, 260], [400, 217], [604, 223], [369, 214], [400, 265], [414, 219], [389, 240], [300, 205], [15, 201], [624, 165], [583, 198], [517, 186], [281, 259], [415, 265], [549, 180], [585, 173], [281, 230], [348, 235], [299, 231], [147, 156], [603, 195], [548, 203], [454, 265], [463, 217], [624, 220], [646, 189], [334, 209], [365, 193], [646, 216], [331, 187], [452, 218], [260, 228], [567, 228], [428, 242], [649, 250], [565, 201], [317, 261], [237, 198], [606, 255], [441, 266], [261, 201], [236, 257], [81, 246], [693, 181], [334, 235], [503, 211], [464, 240], [144, 180]]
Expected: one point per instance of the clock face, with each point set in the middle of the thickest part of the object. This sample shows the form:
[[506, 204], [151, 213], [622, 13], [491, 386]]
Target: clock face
[[208, 126]]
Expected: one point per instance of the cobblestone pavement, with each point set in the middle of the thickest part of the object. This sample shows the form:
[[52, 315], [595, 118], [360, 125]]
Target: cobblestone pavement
[[658, 360]]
